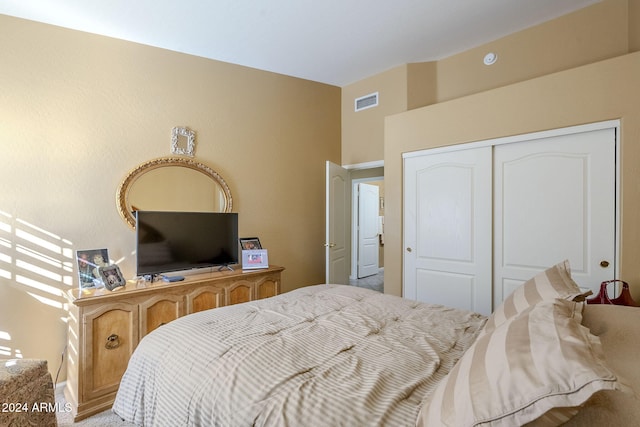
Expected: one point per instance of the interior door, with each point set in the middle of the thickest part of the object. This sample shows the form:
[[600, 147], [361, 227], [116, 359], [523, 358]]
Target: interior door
[[337, 247], [368, 241], [447, 229], [555, 200]]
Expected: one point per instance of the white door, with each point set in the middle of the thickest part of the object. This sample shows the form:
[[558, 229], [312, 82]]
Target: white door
[[555, 200], [447, 229], [368, 241], [337, 216]]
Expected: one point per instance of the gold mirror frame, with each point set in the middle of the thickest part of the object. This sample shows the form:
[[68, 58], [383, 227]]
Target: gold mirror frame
[[122, 199]]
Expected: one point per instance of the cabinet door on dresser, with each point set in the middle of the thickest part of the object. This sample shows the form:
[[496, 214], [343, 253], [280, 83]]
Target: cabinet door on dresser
[[110, 336], [268, 287], [158, 310], [240, 291], [204, 298]]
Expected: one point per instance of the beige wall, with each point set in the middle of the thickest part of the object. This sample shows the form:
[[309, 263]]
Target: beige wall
[[602, 91], [634, 25], [422, 84], [588, 35], [364, 130], [78, 111], [605, 30]]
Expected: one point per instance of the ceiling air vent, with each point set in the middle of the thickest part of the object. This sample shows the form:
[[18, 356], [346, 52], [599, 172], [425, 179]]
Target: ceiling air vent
[[367, 101]]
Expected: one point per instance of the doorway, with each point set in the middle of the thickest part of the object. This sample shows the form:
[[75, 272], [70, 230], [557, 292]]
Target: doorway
[[342, 181], [367, 234], [367, 226]]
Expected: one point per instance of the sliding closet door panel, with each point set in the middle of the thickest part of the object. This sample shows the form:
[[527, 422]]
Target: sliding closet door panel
[[446, 288], [554, 200], [447, 229]]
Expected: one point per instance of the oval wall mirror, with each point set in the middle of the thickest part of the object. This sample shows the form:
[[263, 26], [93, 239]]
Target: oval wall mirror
[[172, 184]]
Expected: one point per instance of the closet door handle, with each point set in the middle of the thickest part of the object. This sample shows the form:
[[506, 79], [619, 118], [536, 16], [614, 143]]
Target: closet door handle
[[409, 249], [604, 263]]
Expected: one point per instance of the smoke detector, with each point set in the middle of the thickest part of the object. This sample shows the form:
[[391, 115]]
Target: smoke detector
[[490, 58]]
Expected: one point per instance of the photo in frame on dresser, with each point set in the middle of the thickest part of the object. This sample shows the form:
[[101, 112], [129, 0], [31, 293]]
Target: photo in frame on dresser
[[88, 263], [249, 243], [112, 277], [255, 259]]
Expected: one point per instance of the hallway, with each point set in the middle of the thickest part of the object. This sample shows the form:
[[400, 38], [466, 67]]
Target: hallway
[[375, 282]]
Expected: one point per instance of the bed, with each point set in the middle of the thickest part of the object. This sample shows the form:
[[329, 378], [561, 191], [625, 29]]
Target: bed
[[335, 355]]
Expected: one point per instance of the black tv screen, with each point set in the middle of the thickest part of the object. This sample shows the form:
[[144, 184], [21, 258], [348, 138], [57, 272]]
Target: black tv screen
[[175, 241]]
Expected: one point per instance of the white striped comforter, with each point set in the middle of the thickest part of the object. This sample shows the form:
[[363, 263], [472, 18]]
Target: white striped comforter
[[324, 355]]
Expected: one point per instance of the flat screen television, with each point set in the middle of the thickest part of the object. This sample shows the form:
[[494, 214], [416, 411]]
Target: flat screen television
[[177, 241]]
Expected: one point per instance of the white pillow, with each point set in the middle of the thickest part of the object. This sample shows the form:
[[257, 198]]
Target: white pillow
[[554, 282], [537, 366]]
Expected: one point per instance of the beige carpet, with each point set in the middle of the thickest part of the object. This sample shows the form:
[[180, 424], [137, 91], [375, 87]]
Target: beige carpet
[[103, 419]]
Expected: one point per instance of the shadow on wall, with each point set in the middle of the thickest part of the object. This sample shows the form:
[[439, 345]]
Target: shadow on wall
[[36, 268]]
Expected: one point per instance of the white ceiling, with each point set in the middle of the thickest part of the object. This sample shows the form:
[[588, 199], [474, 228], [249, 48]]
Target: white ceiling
[[331, 41]]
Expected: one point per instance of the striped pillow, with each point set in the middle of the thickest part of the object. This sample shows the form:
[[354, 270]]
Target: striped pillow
[[540, 365], [554, 282]]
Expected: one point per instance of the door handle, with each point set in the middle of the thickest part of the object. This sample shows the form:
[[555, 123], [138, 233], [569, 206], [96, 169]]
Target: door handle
[[329, 245], [604, 264], [409, 249]]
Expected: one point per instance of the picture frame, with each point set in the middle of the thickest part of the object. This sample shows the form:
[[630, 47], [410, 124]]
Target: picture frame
[[253, 259], [183, 141], [111, 276], [249, 243], [88, 262]]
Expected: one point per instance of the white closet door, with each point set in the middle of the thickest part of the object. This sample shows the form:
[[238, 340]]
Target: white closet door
[[555, 200], [447, 229]]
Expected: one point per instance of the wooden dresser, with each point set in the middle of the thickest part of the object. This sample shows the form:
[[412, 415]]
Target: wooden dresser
[[105, 327]]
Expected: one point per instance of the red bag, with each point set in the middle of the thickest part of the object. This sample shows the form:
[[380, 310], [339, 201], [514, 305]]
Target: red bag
[[603, 297]]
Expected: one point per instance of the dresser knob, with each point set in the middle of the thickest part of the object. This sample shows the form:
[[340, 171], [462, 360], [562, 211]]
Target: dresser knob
[[113, 341]]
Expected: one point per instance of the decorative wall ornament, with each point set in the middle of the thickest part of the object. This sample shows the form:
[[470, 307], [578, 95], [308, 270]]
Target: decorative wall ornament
[[183, 141]]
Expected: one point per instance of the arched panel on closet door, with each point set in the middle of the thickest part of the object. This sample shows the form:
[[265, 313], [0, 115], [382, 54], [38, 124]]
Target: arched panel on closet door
[[447, 229]]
